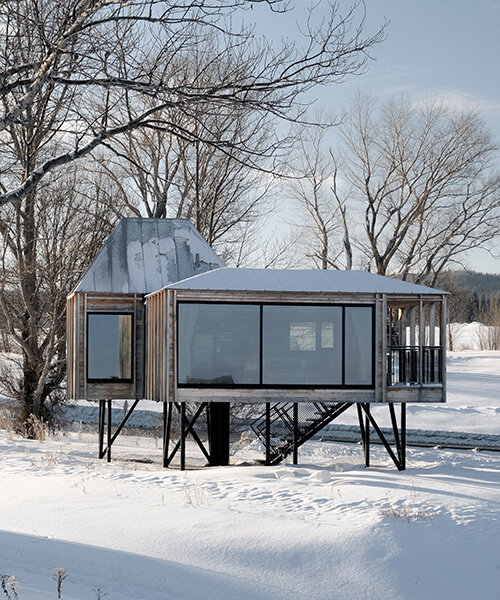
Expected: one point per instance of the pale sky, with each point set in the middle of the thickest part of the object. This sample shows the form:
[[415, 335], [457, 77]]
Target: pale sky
[[444, 48]]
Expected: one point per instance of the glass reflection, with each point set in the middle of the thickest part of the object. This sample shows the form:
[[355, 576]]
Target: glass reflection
[[218, 344], [358, 345], [302, 345], [109, 346]]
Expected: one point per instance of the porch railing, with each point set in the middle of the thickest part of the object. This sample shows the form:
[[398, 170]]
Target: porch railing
[[403, 365]]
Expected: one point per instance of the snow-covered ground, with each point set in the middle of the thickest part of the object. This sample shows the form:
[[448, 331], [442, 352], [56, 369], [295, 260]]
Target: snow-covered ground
[[326, 529]]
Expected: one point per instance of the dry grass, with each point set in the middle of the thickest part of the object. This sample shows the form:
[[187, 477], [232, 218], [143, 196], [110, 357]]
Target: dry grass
[[195, 494], [37, 428], [409, 512], [7, 422], [9, 585]]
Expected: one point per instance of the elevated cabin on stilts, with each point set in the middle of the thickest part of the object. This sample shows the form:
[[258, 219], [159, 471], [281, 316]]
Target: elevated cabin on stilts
[[304, 345], [157, 316]]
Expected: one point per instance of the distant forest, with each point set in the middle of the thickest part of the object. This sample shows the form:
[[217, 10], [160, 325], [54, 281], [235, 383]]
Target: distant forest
[[474, 295]]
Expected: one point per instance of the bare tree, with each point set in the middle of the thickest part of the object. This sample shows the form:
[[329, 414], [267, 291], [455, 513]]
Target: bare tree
[[488, 314], [322, 206], [99, 57], [419, 187], [77, 74], [160, 175], [68, 229]]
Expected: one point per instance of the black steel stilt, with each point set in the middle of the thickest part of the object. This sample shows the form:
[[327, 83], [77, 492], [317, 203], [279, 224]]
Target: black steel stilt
[[188, 429], [295, 433], [164, 437], [167, 423], [395, 431], [268, 433], [183, 436], [363, 432], [403, 436], [367, 436], [218, 421], [109, 432], [366, 408], [101, 427]]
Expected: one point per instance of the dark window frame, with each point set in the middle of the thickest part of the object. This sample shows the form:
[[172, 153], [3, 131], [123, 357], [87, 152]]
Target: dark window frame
[[274, 386], [110, 380]]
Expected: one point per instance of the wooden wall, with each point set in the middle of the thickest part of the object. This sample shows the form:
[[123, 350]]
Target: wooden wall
[[160, 346], [77, 307]]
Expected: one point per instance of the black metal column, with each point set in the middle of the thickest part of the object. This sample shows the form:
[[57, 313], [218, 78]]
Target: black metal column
[[268, 433], [167, 423], [367, 437], [183, 436], [102, 404], [403, 436], [395, 432], [218, 417], [109, 431], [295, 433]]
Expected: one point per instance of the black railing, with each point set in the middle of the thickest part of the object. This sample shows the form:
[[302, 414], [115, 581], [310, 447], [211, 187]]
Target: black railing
[[403, 365]]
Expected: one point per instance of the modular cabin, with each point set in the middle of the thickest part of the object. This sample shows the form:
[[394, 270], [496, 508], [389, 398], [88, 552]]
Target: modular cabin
[[158, 316], [306, 345]]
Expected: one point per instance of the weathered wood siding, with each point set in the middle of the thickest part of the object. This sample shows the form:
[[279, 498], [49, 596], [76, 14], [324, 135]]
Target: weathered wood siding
[[161, 346], [78, 306]]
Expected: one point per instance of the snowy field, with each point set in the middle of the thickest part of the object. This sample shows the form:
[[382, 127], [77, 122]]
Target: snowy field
[[473, 398], [327, 529]]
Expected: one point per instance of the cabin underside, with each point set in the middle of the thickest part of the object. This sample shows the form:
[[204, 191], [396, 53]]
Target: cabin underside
[[281, 427]]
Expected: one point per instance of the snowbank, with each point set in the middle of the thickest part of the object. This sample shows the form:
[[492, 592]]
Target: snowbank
[[325, 529]]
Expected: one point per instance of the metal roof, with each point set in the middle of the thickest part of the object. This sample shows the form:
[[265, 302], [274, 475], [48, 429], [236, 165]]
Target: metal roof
[[297, 280], [144, 255]]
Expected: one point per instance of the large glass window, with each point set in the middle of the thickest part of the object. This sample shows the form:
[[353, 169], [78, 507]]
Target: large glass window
[[223, 344], [218, 344], [109, 347], [358, 345], [302, 345]]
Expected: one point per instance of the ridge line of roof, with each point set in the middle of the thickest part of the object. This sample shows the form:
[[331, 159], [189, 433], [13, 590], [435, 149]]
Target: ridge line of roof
[[411, 287]]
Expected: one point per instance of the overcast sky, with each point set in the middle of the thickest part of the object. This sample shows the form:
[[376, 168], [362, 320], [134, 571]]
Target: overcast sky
[[444, 48]]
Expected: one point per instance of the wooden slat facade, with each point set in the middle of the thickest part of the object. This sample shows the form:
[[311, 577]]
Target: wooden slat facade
[[78, 306]]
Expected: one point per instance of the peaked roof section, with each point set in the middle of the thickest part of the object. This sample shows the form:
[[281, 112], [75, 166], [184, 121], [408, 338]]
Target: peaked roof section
[[291, 280], [143, 255]]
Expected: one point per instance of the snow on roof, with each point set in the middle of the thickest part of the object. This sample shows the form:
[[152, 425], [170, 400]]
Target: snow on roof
[[143, 255], [297, 280]]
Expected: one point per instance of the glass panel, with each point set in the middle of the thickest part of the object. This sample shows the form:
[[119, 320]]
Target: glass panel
[[358, 345], [109, 346], [302, 345], [219, 343]]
